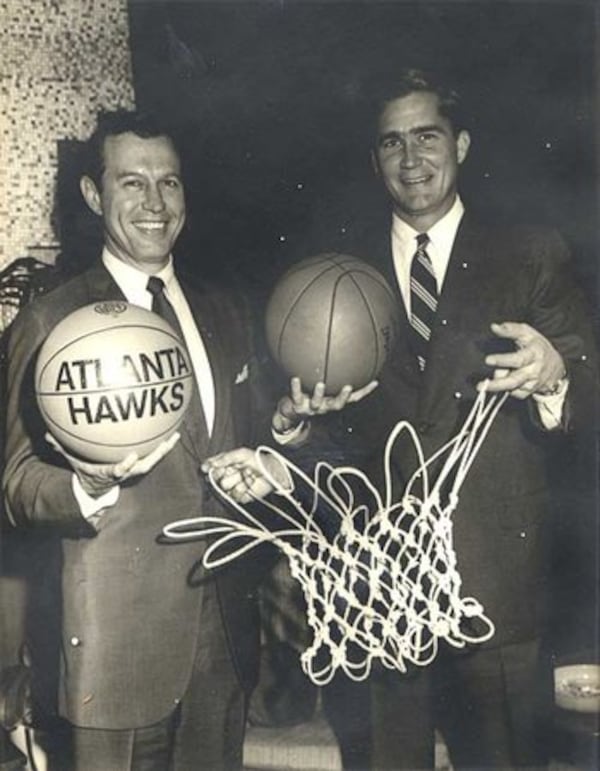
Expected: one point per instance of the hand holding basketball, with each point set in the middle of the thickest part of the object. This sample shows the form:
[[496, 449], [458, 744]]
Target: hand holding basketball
[[300, 405], [96, 479]]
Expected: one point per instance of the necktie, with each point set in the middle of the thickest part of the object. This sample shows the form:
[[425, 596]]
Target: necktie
[[423, 299], [194, 418]]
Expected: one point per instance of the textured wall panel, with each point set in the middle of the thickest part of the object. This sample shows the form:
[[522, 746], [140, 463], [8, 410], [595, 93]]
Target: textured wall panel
[[60, 62]]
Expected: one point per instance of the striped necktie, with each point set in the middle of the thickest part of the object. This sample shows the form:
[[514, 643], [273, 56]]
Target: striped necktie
[[194, 418], [423, 299]]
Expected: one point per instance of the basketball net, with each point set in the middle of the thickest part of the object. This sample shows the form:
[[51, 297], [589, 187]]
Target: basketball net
[[387, 590]]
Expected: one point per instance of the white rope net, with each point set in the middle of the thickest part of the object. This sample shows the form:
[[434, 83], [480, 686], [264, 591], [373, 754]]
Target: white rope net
[[386, 586]]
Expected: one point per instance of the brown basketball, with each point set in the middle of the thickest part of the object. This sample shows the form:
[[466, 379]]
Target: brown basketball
[[332, 318]]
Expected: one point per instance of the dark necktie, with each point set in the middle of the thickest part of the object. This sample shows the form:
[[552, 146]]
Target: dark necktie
[[423, 299], [194, 419]]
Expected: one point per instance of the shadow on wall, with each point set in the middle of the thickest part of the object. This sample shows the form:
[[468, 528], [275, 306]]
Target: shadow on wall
[[78, 230]]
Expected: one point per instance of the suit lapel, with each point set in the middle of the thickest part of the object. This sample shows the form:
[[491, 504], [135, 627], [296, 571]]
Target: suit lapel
[[458, 313], [204, 316], [101, 285]]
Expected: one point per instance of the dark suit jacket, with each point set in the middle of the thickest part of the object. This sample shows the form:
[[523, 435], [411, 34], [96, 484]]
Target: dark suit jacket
[[518, 274], [131, 617]]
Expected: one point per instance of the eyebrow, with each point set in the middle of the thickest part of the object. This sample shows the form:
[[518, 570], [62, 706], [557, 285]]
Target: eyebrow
[[416, 130], [169, 174]]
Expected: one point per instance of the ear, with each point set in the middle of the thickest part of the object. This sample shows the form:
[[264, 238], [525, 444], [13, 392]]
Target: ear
[[91, 194], [463, 142]]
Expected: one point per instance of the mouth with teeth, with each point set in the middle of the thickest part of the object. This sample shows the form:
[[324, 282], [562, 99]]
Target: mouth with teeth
[[151, 226], [409, 182]]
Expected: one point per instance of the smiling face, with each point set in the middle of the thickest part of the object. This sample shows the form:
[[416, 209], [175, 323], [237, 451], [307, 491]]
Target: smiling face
[[141, 199], [417, 154]]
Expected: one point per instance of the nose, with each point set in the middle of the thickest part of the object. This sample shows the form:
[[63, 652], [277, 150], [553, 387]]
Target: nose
[[153, 200], [410, 156]]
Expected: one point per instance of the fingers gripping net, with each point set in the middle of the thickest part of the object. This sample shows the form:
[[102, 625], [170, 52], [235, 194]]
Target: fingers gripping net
[[387, 590]]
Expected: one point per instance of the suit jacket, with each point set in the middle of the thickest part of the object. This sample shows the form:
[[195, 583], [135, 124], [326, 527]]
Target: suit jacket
[[131, 616], [500, 525]]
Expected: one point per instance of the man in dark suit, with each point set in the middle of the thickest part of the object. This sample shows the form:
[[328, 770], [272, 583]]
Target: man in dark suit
[[157, 657], [495, 303]]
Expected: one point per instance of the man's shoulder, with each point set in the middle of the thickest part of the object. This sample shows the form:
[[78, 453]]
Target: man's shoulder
[[226, 305], [506, 230], [211, 291], [519, 243], [66, 294]]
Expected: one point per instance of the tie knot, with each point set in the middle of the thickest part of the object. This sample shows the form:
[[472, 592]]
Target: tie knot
[[155, 286], [422, 240]]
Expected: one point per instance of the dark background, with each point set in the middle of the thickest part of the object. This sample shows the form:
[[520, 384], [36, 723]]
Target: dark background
[[274, 98]]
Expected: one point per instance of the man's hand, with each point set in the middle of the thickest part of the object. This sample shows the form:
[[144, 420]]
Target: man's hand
[[98, 478], [239, 474], [535, 367], [298, 405]]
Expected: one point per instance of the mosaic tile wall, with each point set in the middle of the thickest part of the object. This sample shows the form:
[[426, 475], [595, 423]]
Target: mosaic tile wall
[[60, 62]]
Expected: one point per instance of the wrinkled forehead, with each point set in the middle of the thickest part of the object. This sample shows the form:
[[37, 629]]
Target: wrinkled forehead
[[412, 112], [130, 152]]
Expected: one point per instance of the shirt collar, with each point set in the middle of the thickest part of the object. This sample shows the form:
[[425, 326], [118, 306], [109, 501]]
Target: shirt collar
[[442, 232], [441, 240], [131, 280]]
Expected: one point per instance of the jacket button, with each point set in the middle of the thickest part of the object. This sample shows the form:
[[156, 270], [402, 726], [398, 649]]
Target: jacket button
[[444, 322], [75, 642], [458, 394]]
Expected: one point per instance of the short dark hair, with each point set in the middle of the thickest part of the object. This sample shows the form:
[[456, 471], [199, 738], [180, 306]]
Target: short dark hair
[[412, 80], [109, 124]]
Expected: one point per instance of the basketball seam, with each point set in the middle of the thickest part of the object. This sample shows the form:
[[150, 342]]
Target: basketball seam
[[349, 275], [309, 262], [368, 306], [297, 299], [114, 442], [111, 389], [90, 333], [330, 328]]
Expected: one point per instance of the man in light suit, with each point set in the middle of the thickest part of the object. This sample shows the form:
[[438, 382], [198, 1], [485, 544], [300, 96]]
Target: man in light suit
[[157, 657], [504, 307]]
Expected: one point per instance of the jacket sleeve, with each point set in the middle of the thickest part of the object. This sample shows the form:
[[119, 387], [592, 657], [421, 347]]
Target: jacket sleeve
[[559, 310], [36, 480]]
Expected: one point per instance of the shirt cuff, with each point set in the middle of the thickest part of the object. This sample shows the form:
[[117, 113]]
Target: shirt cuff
[[90, 506], [550, 406], [294, 434]]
